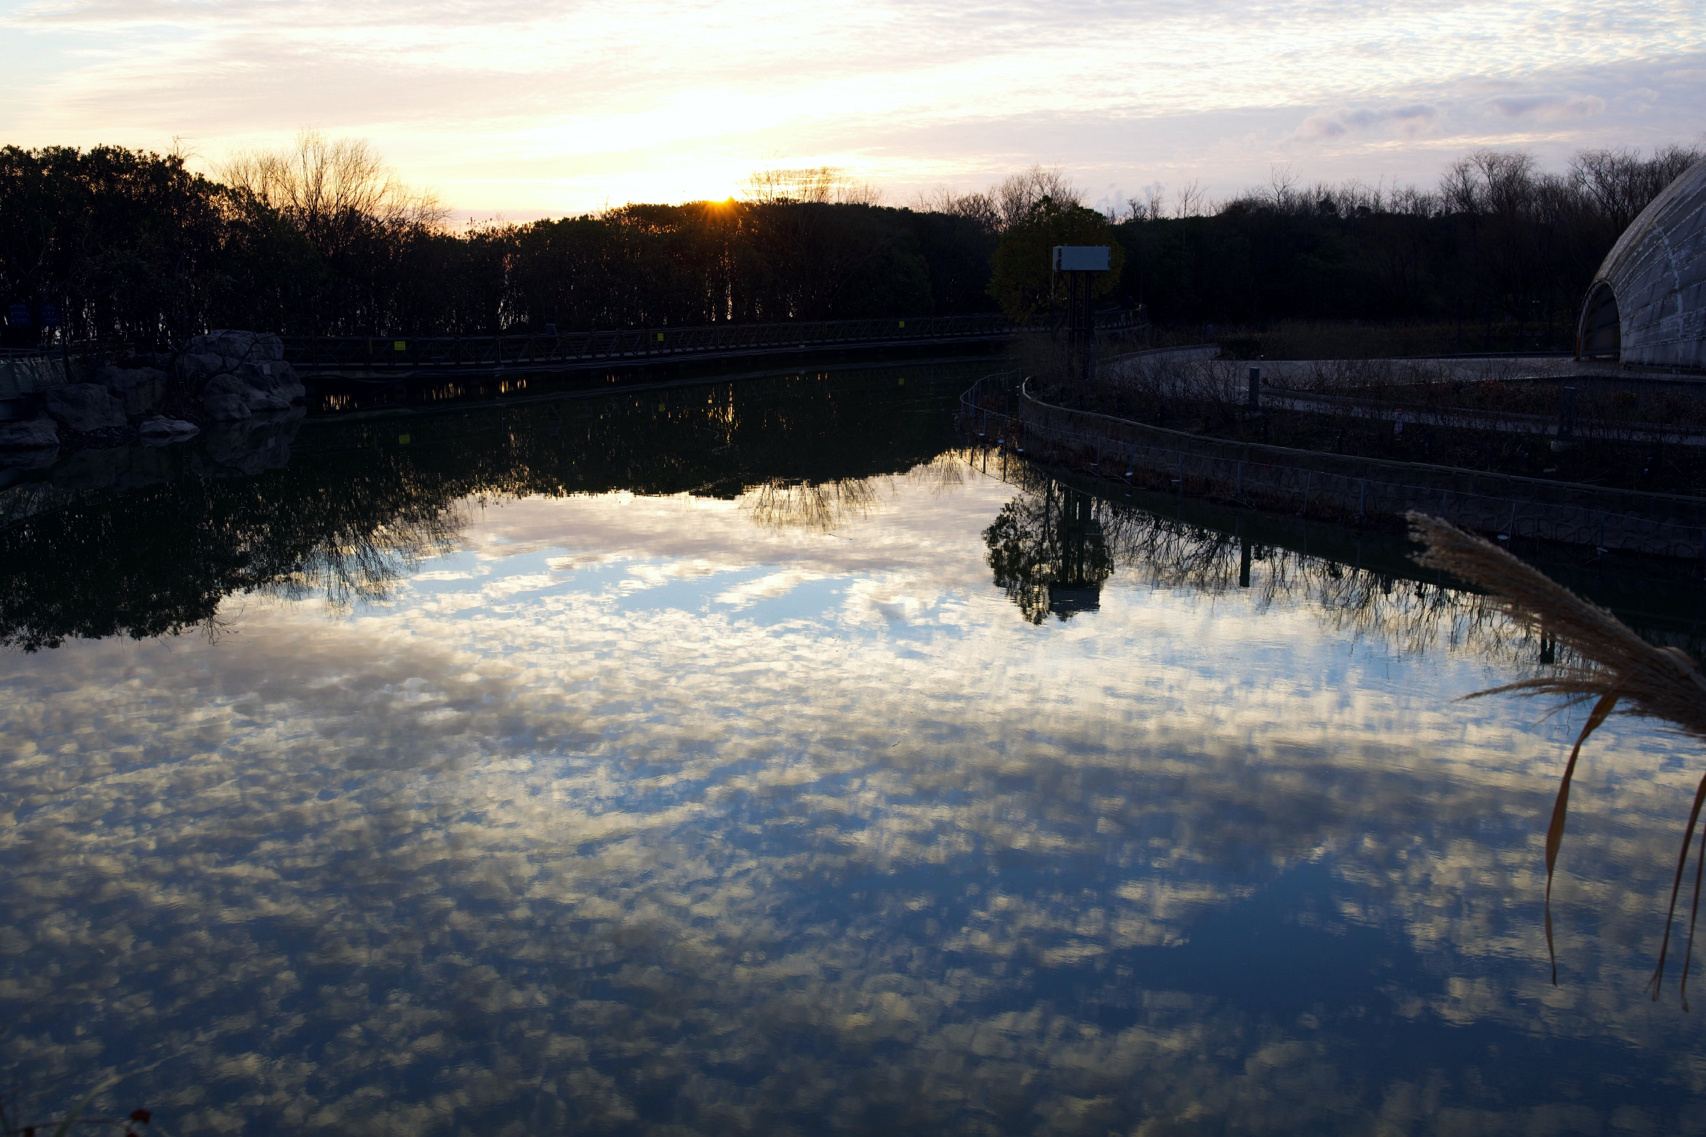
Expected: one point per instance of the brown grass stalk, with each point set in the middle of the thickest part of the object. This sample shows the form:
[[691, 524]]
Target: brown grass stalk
[[1612, 667]]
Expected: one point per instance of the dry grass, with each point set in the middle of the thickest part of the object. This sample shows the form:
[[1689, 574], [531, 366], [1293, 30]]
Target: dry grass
[[1612, 667], [1331, 339]]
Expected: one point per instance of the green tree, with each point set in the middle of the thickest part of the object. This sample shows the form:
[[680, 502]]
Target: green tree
[[1023, 281]]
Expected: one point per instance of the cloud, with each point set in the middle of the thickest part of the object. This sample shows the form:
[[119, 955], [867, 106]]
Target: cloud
[[540, 107], [1548, 108], [767, 587], [1409, 121]]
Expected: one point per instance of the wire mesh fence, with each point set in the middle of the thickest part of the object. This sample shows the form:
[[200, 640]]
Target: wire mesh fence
[[1000, 411]]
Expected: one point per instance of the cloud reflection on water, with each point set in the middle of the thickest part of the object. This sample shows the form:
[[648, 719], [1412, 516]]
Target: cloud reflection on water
[[814, 830]]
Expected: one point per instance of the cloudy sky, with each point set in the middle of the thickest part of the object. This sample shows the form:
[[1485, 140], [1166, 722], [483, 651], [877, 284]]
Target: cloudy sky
[[535, 107]]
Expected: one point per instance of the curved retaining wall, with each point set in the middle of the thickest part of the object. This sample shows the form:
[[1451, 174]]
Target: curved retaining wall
[[1340, 486]]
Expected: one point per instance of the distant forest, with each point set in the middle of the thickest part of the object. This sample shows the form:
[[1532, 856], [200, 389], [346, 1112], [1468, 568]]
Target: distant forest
[[130, 245]]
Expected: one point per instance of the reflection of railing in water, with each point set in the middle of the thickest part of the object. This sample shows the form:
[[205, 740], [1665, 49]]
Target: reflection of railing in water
[[1359, 490]]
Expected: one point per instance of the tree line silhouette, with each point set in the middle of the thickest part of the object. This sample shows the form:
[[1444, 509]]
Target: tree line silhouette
[[1498, 242], [128, 245]]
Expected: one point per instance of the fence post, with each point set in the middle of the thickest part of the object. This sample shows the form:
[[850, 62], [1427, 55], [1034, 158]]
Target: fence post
[[1566, 417], [1362, 499], [1308, 484]]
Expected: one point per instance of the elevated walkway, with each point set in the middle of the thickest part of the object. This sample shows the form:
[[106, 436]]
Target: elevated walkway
[[370, 357]]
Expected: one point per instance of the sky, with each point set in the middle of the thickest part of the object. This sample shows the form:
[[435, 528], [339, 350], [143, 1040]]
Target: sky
[[527, 108]]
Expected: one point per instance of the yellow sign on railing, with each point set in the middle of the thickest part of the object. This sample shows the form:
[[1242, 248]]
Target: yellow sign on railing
[[400, 345]]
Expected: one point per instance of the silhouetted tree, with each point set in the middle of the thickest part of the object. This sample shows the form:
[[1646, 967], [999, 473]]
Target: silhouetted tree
[[1023, 279]]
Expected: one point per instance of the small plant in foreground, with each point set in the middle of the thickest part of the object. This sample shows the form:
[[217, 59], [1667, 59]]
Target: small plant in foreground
[[1614, 666]]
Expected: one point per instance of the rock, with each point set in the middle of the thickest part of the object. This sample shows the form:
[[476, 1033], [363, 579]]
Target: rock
[[160, 429], [31, 434], [255, 358], [225, 408], [141, 389], [276, 377], [249, 347], [197, 367], [255, 400], [85, 407]]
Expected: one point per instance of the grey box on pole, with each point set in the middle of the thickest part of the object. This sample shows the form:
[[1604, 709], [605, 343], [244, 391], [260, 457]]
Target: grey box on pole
[[1082, 258]]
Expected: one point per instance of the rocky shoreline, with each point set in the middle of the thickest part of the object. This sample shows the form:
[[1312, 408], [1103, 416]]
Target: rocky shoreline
[[223, 379]]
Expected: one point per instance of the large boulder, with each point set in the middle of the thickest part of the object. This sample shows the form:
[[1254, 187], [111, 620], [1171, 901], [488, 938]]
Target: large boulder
[[85, 407], [273, 376], [201, 368], [160, 430], [248, 347], [222, 407], [197, 367], [30, 434], [140, 389], [253, 398]]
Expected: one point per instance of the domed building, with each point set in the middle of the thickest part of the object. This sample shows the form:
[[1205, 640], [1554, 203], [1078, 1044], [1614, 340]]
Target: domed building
[[1647, 306]]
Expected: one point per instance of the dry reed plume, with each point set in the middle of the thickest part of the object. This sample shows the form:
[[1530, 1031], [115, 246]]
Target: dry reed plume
[[1612, 666]]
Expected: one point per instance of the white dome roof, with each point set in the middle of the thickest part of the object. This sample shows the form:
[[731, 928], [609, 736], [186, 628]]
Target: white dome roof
[[1647, 305]]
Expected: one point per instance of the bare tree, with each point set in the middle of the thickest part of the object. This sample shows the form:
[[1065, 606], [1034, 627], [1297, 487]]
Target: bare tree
[[1621, 182], [1282, 187], [1017, 193], [323, 184], [979, 207], [1189, 200], [822, 185]]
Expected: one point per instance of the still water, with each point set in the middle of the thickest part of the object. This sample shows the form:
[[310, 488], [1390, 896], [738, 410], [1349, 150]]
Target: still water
[[755, 759]]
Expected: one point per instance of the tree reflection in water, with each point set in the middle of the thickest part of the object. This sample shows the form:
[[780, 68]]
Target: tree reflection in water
[[361, 503], [1053, 547], [1048, 552]]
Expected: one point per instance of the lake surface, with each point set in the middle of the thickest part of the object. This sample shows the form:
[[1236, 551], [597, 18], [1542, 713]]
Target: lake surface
[[755, 759]]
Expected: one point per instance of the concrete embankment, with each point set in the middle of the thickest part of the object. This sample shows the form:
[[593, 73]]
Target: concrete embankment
[[1333, 486]]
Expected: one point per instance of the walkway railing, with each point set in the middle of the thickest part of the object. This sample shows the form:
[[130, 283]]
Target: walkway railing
[[544, 350], [999, 410]]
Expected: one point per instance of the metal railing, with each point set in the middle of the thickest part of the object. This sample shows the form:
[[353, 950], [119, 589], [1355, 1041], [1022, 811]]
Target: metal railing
[[547, 349], [999, 411]]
